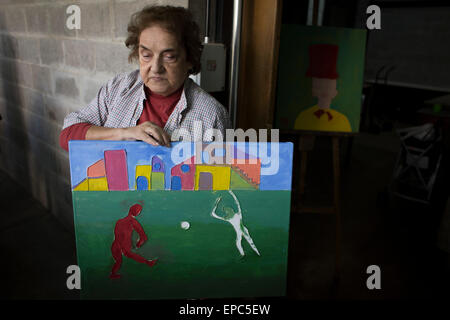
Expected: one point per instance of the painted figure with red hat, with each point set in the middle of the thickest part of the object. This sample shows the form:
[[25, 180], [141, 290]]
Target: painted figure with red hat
[[322, 70]]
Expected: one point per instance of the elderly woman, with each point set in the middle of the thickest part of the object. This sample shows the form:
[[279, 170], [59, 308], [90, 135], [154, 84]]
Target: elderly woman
[[151, 103]]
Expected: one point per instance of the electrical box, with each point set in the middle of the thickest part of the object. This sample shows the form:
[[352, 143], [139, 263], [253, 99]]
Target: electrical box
[[212, 75]]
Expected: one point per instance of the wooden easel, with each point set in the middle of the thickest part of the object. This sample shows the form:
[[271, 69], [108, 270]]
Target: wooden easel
[[306, 141]]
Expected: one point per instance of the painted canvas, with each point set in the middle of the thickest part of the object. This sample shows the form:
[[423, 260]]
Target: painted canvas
[[320, 78], [191, 221]]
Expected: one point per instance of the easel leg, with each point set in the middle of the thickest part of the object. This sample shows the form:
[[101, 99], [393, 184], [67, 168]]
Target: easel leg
[[337, 205]]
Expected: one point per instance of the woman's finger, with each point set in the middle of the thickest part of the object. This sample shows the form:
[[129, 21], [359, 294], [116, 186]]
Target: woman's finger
[[156, 133], [147, 138], [166, 138]]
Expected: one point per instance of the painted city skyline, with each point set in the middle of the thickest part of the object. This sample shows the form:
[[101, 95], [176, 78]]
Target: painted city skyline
[[138, 166]]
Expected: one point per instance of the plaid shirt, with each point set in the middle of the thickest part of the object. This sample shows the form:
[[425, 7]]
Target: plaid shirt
[[120, 102]]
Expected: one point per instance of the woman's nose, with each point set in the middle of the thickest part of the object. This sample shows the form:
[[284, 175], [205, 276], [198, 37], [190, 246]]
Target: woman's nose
[[157, 65]]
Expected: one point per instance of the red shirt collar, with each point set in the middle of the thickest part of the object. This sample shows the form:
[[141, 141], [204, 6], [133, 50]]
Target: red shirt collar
[[175, 96]]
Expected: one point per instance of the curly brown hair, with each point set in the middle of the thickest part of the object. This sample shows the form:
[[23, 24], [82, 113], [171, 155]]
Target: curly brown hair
[[176, 20]]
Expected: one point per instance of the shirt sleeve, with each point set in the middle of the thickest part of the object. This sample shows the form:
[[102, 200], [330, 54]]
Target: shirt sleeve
[[222, 121], [74, 132]]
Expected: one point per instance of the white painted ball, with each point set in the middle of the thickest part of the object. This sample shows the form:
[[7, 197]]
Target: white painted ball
[[185, 225]]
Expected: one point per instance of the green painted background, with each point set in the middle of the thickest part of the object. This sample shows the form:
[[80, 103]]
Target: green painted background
[[294, 88], [200, 262]]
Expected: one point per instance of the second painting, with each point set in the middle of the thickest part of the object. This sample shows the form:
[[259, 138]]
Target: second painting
[[320, 78]]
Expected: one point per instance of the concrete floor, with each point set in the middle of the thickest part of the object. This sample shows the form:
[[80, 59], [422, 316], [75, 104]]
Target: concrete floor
[[36, 248], [399, 238]]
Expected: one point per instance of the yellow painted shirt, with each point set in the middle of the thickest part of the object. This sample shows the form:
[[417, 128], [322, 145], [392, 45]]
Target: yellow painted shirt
[[307, 120]]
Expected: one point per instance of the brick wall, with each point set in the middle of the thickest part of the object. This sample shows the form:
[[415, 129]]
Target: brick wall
[[47, 71]]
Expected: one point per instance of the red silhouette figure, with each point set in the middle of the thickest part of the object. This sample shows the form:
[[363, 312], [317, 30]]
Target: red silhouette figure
[[122, 240]]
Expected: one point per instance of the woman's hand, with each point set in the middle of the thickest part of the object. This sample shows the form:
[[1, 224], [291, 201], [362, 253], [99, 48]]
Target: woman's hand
[[147, 132]]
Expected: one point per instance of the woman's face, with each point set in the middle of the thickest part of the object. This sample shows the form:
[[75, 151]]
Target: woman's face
[[162, 61]]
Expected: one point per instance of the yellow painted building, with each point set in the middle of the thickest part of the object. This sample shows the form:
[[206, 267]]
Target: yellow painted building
[[221, 176], [143, 171], [92, 184], [98, 184], [82, 186]]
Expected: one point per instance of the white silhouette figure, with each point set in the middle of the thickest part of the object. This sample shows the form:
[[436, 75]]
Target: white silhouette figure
[[235, 219]]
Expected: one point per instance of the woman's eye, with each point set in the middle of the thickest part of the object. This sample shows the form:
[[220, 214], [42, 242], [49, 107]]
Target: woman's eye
[[169, 57]]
